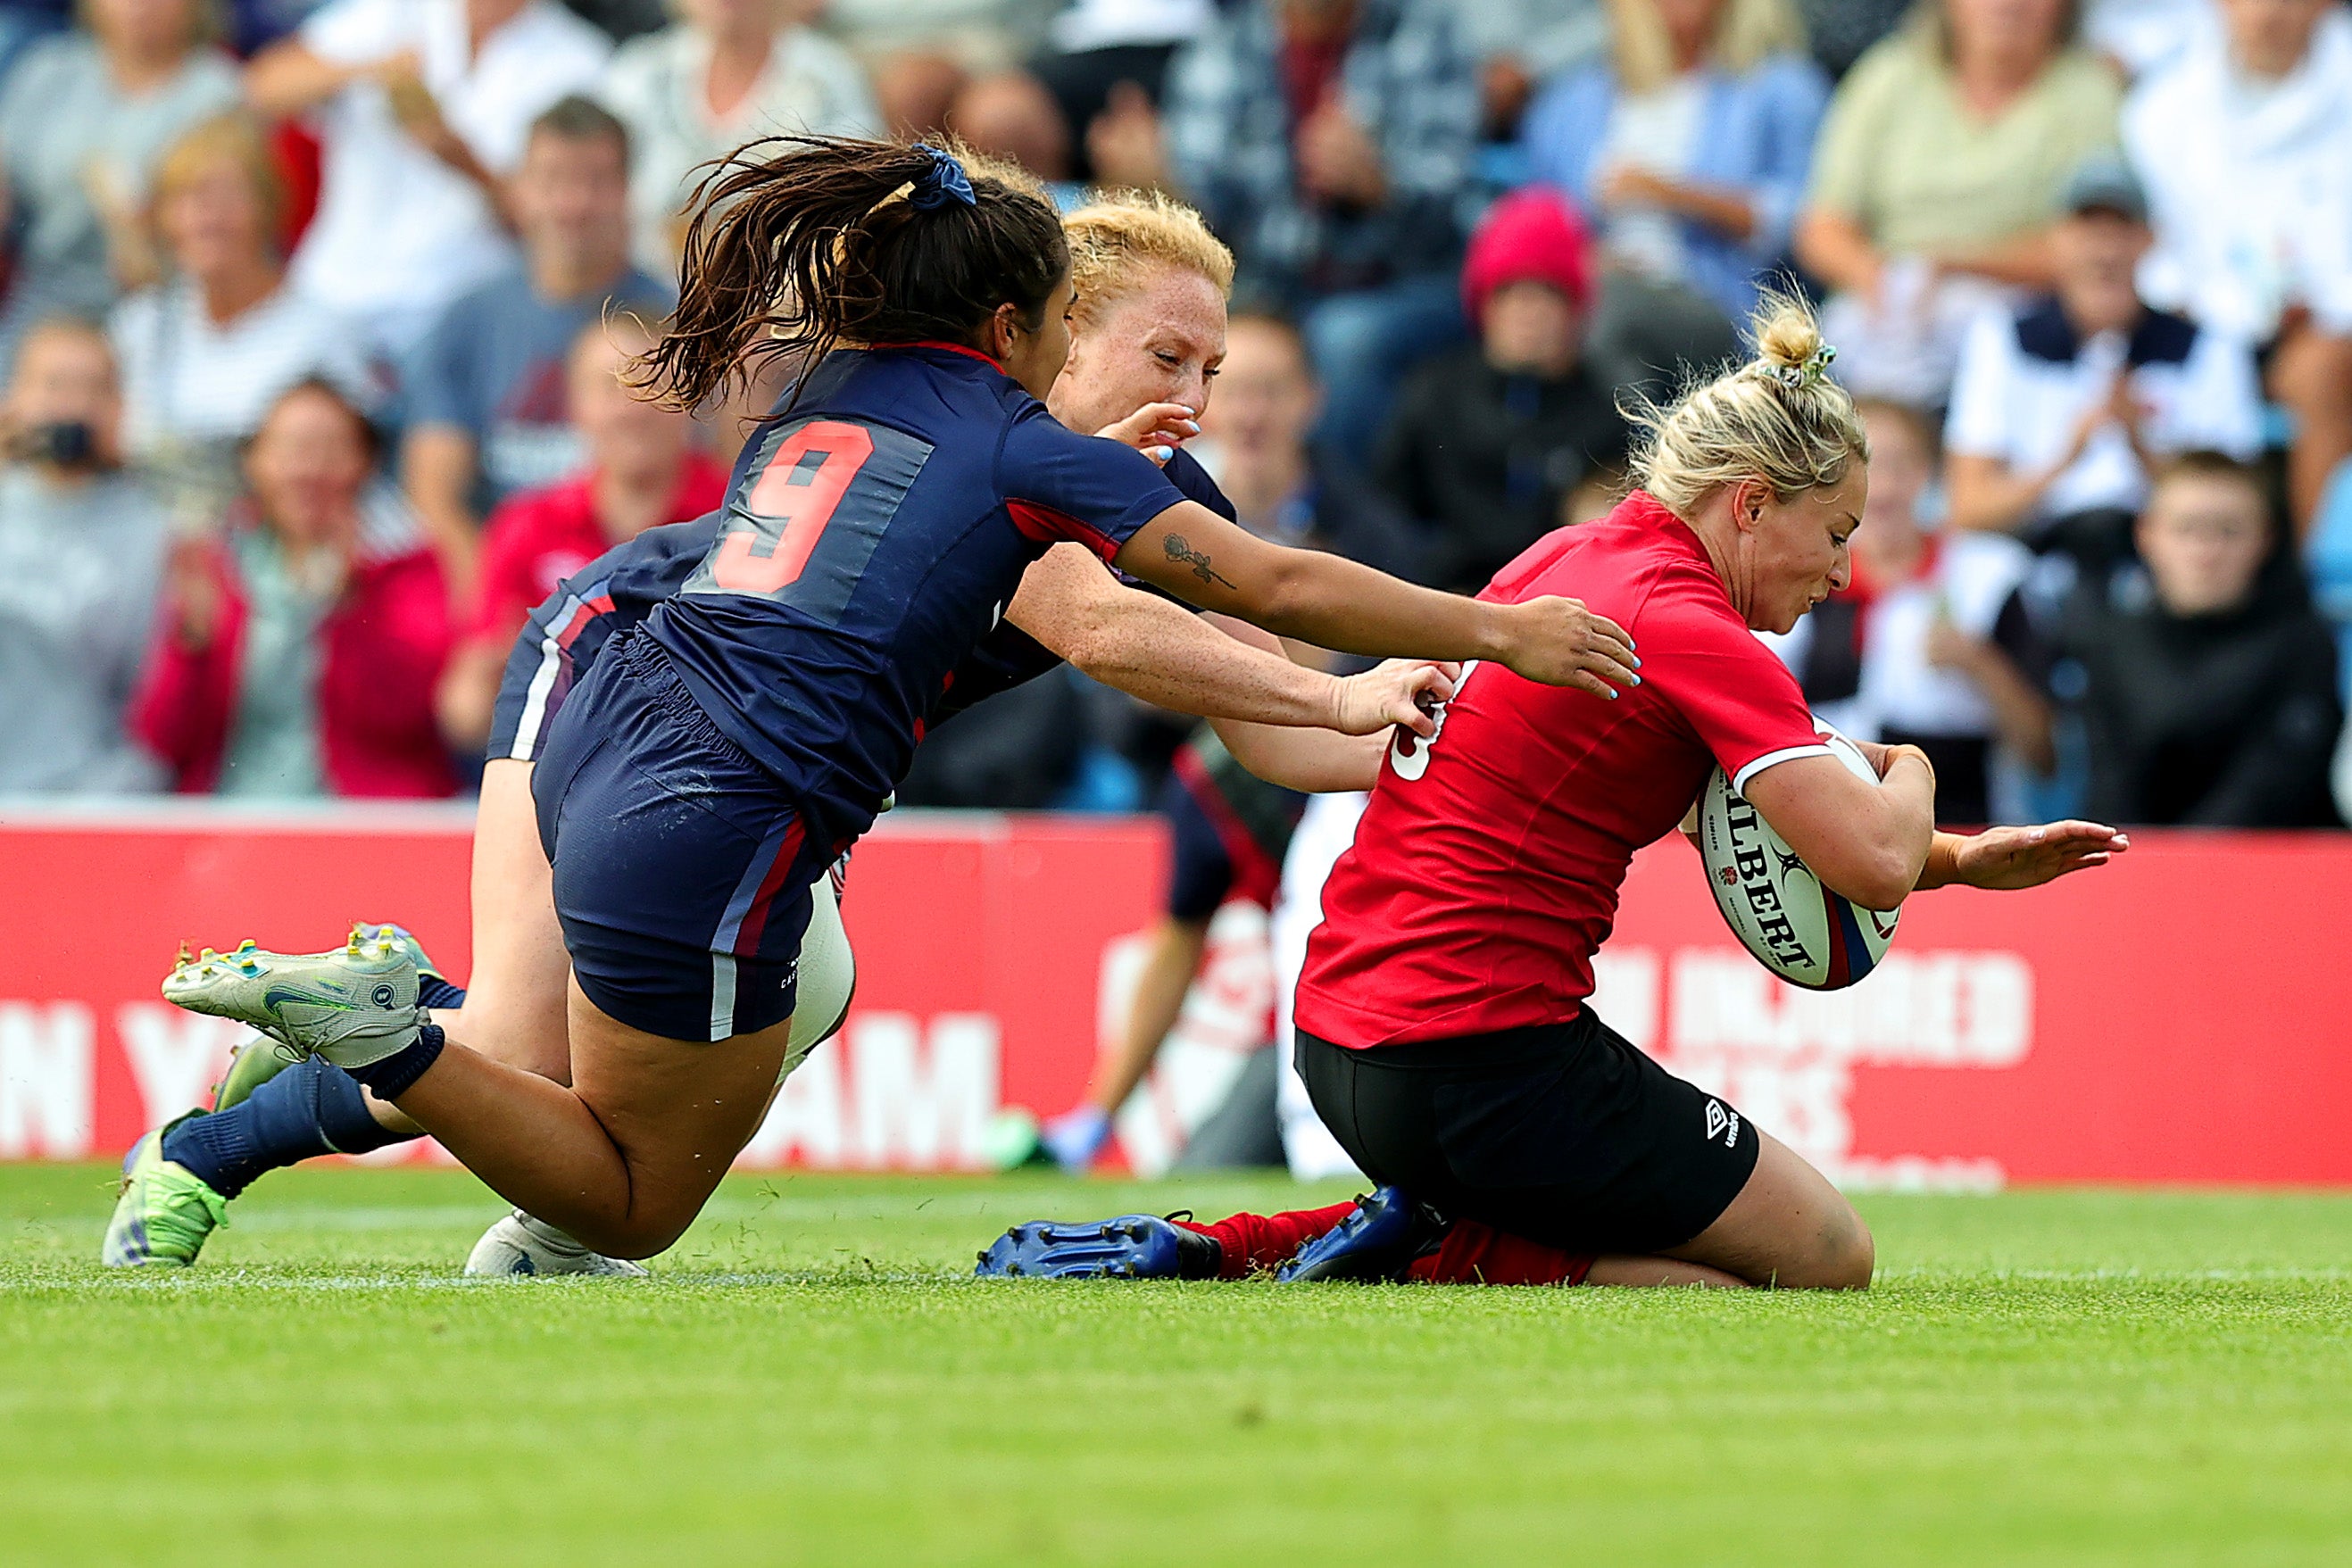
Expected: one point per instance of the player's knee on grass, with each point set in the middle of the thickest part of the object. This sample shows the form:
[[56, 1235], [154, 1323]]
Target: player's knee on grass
[[1843, 1256]]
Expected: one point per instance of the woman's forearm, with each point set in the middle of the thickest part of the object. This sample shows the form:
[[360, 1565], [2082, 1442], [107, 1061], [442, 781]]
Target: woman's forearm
[[1312, 761], [1989, 497], [1727, 211], [1157, 651], [1335, 603], [1835, 249]]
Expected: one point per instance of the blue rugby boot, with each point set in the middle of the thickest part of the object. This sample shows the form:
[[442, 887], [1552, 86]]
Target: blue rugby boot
[[1380, 1241], [1131, 1247]]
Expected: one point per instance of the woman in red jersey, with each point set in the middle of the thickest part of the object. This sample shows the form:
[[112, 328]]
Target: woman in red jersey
[[1443, 1031]]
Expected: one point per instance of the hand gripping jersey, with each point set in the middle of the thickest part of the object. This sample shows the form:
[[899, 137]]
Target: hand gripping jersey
[[1485, 873], [873, 535], [619, 589]]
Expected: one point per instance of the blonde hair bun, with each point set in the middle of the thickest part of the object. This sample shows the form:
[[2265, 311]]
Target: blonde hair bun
[[1779, 418], [1786, 333]]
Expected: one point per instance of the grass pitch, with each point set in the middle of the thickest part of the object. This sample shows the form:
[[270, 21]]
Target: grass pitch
[[2044, 1377]]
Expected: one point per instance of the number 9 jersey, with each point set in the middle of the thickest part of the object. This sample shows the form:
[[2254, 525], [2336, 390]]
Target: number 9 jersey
[[873, 535]]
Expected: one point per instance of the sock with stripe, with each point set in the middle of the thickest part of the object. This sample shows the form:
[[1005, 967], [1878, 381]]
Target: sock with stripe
[[1261, 1243]]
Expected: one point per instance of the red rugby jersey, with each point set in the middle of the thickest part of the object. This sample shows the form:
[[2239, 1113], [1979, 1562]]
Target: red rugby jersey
[[1485, 873]]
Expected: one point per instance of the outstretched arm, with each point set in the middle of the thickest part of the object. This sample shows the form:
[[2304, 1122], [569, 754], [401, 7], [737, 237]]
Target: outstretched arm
[[1153, 650], [2009, 858], [1335, 603], [1322, 761]]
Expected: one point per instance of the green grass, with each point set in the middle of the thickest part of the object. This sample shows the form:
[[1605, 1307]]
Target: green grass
[[2045, 1377]]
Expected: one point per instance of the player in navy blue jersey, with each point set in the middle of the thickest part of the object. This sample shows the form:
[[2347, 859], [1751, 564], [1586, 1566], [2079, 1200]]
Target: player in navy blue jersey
[[1152, 330], [718, 756]]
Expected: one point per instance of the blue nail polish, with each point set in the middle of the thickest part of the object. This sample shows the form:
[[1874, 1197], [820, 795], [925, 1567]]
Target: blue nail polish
[[1163, 452], [1637, 680]]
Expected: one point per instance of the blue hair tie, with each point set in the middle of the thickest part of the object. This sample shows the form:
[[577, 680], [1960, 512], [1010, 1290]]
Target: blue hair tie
[[942, 183]]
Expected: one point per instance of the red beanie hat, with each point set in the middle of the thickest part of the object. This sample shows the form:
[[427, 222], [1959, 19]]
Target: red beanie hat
[[1532, 235]]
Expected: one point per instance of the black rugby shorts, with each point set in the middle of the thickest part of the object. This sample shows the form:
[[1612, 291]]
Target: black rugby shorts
[[1563, 1134]]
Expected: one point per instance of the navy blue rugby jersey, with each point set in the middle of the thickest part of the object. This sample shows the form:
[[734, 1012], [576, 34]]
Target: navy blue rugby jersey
[[873, 534], [620, 587]]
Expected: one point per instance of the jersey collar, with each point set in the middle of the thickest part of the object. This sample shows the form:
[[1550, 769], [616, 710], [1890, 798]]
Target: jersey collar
[[945, 346]]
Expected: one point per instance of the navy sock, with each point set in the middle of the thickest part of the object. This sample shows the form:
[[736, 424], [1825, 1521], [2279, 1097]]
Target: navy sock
[[312, 1108], [434, 992], [391, 1077]]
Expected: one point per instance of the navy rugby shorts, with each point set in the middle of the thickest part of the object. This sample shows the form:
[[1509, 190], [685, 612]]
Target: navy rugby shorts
[[682, 873], [542, 669]]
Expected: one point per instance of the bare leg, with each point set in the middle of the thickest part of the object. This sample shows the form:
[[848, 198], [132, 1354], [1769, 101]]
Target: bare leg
[[1789, 1228], [1656, 1271], [624, 1157], [514, 996]]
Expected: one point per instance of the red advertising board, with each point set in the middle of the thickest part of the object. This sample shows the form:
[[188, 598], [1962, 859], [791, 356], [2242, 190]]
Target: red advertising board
[[2185, 1014]]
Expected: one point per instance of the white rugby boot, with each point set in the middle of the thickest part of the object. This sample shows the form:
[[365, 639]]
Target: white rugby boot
[[355, 1005], [520, 1247]]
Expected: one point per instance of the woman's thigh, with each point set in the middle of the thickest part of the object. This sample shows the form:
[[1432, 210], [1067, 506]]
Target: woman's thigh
[[1789, 1227], [515, 1005], [678, 1111]]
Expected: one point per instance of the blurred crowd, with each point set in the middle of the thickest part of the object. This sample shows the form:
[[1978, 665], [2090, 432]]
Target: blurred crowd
[[315, 312]]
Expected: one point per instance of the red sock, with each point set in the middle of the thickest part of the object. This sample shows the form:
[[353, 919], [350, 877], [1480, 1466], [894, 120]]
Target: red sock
[[1475, 1254], [1260, 1243]]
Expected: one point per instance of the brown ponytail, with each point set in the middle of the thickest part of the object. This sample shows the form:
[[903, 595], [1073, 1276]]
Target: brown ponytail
[[800, 242]]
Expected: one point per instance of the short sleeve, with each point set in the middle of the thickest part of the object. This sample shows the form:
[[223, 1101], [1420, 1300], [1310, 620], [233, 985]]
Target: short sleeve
[[1978, 425], [349, 32], [1061, 485], [433, 386], [1736, 695]]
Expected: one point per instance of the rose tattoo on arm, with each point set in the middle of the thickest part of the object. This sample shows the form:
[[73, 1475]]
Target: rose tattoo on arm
[[1180, 551]]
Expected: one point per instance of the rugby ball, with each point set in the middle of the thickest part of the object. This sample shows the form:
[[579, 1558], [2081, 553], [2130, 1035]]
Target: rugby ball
[[1796, 927]]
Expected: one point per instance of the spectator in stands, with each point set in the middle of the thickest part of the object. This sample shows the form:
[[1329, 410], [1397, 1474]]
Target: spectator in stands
[[1106, 60], [1011, 115], [1255, 439], [296, 653], [2061, 408], [81, 557], [2245, 143], [1691, 140], [84, 119], [1520, 44], [1937, 177], [642, 469], [1932, 644], [2208, 691], [1327, 141], [727, 72], [206, 354], [1489, 442], [485, 391], [920, 53], [423, 107]]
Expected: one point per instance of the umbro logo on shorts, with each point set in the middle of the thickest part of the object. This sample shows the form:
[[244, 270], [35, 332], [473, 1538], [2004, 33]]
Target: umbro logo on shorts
[[1722, 1123]]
